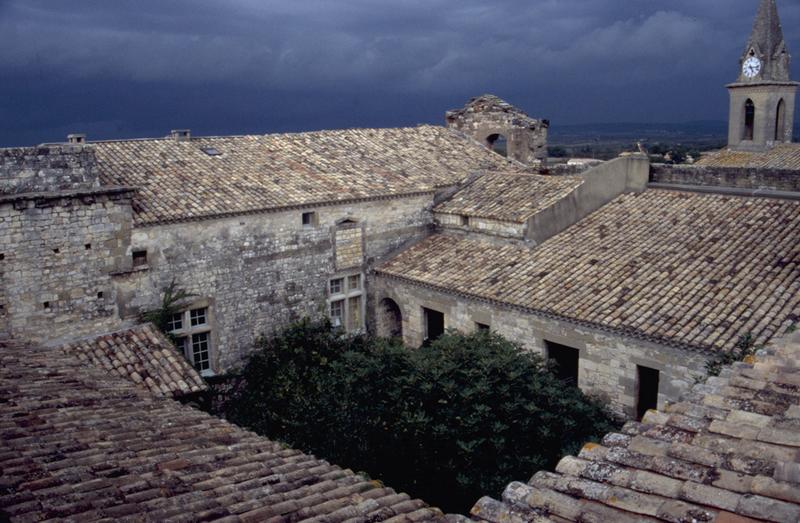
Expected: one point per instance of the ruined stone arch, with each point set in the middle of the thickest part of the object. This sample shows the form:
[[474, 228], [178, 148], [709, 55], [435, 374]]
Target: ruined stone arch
[[390, 319], [498, 142]]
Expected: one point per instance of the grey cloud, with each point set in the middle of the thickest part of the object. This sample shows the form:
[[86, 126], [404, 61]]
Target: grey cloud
[[569, 59]]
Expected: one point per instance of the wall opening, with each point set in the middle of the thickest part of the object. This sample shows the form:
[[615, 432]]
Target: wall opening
[[390, 319], [749, 119], [310, 220], [780, 122], [434, 325], [647, 395], [498, 143], [567, 362], [482, 327], [139, 258]]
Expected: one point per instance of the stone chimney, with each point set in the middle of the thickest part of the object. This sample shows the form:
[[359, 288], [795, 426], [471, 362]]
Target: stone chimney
[[181, 135], [76, 139]]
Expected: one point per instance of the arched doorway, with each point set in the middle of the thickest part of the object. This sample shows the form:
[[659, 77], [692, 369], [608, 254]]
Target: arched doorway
[[749, 119], [390, 319], [780, 122], [498, 143]]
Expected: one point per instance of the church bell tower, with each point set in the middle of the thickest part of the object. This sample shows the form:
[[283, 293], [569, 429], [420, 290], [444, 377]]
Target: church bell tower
[[763, 97]]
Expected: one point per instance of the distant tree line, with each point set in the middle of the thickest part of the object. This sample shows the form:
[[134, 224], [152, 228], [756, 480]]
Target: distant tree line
[[447, 423]]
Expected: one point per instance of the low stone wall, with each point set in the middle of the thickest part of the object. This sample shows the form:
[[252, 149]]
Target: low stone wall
[[735, 177], [47, 169], [608, 362]]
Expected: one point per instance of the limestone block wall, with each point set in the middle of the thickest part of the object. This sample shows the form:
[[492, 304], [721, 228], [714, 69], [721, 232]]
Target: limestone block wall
[[47, 169], [481, 225], [258, 272], [57, 255], [608, 362]]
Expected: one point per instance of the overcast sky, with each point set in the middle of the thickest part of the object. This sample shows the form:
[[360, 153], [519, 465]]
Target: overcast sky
[[125, 68]]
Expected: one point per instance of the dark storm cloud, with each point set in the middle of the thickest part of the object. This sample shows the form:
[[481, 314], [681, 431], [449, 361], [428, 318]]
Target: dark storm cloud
[[128, 67]]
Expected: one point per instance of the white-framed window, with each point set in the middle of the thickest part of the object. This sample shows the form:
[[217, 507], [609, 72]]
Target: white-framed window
[[192, 330], [346, 301]]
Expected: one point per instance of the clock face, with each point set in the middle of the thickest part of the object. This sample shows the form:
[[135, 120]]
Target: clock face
[[751, 67]]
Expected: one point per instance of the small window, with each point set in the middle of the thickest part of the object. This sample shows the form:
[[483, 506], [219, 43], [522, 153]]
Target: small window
[[434, 325], [354, 282], [337, 286], [567, 360], [175, 323], [310, 220], [100, 295], [482, 327], [182, 344], [337, 312], [211, 151], [56, 250], [198, 317], [46, 305], [465, 221], [88, 246], [2, 256], [200, 352], [139, 258]]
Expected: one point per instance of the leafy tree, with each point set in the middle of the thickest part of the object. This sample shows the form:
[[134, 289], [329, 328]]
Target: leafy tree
[[448, 423]]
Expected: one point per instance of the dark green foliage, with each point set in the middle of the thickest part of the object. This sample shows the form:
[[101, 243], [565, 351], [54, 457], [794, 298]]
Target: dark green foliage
[[447, 423], [172, 297], [744, 347]]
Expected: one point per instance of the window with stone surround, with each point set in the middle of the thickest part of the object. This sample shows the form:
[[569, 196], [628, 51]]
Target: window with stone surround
[[647, 382], [567, 360], [193, 335], [348, 240], [310, 220], [346, 302]]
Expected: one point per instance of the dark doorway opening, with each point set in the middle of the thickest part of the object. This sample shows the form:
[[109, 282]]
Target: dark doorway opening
[[647, 381], [498, 143], [434, 325], [749, 119], [566, 360]]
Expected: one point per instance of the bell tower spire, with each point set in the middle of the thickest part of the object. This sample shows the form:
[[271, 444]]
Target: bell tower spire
[[763, 97]]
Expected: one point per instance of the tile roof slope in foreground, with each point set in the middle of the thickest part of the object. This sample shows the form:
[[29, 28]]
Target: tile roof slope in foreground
[[81, 444], [784, 156], [178, 181], [683, 269], [510, 197], [729, 452], [144, 356]]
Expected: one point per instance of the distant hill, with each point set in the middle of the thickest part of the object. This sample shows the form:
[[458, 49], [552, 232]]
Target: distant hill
[[704, 131]]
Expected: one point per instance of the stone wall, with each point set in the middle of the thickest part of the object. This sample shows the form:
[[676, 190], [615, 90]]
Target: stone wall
[[735, 177], [57, 255], [47, 169], [608, 362], [258, 272], [473, 224]]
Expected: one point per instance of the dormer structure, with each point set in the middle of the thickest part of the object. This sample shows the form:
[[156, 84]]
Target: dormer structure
[[763, 97]]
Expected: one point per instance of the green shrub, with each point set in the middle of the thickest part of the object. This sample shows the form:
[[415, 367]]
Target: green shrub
[[447, 423]]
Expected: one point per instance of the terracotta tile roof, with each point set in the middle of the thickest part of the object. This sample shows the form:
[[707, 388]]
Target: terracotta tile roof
[[728, 452], [782, 157], [144, 356], [179, 181], [508, 196], [81, 444], [683, 269]]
